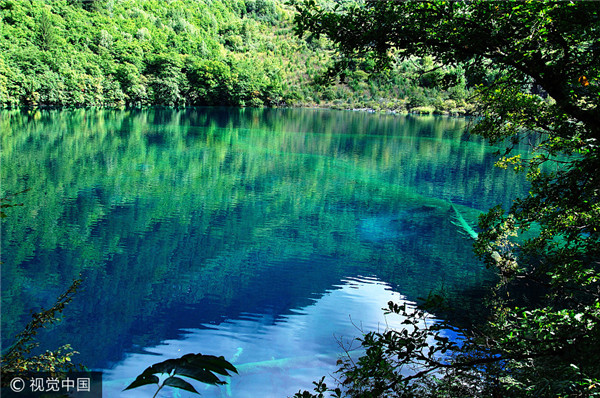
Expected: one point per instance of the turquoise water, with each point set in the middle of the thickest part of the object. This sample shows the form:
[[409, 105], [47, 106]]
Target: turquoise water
[[272, 237]]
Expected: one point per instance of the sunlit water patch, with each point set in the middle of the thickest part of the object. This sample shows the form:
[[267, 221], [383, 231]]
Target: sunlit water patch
[[275, 355]]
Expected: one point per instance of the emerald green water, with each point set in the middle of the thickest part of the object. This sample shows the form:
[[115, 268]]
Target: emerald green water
[[260, 235]]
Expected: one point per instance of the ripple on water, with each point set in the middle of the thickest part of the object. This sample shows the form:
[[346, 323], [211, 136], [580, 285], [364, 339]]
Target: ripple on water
[[277, 355]]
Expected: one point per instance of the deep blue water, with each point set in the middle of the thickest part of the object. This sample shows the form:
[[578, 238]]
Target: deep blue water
[[266, 236]]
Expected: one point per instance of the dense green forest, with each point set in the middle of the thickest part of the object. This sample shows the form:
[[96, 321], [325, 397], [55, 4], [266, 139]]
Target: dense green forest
[[119, 53]]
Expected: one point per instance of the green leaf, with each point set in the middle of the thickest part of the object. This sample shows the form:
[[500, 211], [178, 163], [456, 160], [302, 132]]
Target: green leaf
[[214, 364], [180, 383], [201, 375], [142, 380], [195, 366]]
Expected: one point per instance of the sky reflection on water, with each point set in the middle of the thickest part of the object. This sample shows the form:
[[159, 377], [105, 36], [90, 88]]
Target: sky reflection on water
[[286, 353]]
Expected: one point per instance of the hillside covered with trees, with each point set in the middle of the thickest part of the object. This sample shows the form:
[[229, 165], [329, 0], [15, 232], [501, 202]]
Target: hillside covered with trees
[[118, 53]]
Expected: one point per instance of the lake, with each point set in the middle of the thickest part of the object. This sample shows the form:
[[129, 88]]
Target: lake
[[272, 237]]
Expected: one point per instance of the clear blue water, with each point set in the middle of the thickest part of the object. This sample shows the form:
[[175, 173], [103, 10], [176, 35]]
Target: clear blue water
[[265, 236]]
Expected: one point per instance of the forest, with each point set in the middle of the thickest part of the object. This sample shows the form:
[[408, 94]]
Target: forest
[[137, 53]]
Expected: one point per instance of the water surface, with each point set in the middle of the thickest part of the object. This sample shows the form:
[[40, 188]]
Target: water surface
[[261, 235]]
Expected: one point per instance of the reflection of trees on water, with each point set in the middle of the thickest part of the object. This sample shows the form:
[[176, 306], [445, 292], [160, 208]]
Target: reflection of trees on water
[[222, 211]]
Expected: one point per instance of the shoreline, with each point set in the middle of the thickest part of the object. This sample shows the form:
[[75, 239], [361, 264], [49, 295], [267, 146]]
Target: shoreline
[[418, 111]]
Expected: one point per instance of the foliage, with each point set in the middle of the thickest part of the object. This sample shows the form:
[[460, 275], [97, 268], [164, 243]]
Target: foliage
[[544, 327], [140, 53], [16, 360], [413, 362], [194, 366]]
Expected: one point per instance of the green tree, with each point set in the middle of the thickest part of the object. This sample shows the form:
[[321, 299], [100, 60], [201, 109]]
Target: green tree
[[211, 82], [167, 84], [537, 65], [45, 31]]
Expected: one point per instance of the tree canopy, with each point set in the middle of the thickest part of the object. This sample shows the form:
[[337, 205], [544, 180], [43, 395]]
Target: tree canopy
[[536, 64], [140, 53], [137, 53]]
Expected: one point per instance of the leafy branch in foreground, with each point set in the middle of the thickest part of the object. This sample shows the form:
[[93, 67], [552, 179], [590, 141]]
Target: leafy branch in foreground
[[410, 361], [195, 366], [16, 359], [425, 359]]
